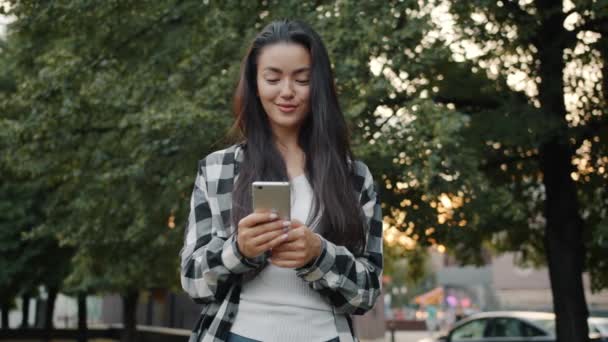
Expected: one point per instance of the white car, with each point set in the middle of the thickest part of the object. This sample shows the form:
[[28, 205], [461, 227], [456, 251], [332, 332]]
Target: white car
[[599, 326], [511, 326]]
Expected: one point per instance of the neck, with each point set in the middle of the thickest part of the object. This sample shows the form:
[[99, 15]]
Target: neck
[[286, 140], [289, 148]]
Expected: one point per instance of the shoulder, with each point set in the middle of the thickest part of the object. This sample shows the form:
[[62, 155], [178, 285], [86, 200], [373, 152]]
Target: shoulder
[[362, 176], [360, 168], [221, 157], [220, 164]]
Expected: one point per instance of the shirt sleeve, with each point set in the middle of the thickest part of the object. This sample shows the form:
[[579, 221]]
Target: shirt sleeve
[[352, 283], [210, 259]]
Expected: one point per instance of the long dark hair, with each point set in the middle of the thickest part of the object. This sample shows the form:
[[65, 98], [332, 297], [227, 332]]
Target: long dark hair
[[323, 138]]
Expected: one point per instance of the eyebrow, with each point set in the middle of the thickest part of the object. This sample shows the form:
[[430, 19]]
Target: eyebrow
[[279, 71]]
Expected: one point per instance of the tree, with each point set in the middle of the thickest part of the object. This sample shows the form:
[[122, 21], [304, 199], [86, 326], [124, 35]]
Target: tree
[[25, 259], [118, 174], [17, 276], [537, 142], [544, 38], [9, 239]]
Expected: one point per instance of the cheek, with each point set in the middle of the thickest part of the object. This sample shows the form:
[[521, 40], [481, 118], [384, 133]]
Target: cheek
[[306, 93], [265, 91], [306, 99]]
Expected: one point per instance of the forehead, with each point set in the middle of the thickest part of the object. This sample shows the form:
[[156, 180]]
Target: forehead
[[284, 56]]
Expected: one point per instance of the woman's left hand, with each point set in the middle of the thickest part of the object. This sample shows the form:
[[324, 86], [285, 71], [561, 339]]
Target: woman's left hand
[[301, 247]]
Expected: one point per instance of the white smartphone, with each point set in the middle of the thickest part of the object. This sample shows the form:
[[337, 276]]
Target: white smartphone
[[273, 196]]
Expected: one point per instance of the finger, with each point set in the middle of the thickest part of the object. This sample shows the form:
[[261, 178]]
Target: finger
[[272, 243], [257, 249], [297, 233], [287, 246], [249, 233], [296, 223], [257, 218], [265, 238], [270, 226]]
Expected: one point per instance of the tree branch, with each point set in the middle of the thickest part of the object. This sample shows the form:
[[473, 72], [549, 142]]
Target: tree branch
[[590, 130], [518, 12], [572, 11], [481, 103], [599, 26], [570, 38], [494, 163]]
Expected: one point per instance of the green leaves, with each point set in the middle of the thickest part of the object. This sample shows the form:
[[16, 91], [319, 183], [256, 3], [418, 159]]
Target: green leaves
[[109, 105]]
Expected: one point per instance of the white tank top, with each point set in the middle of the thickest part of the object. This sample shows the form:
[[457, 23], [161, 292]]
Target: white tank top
[[277, 305]]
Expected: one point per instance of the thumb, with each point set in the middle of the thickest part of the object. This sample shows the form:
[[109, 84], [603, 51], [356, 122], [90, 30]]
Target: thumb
[[296, 223]]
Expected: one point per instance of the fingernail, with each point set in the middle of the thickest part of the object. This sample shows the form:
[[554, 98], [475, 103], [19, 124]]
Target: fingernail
[[286, 223], [273, 216], [285, 236]]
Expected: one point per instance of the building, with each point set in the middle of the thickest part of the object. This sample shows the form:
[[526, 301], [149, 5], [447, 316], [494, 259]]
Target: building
[[501, 284]]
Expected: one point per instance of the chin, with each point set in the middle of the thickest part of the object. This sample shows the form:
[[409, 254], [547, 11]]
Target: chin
[[289, 125], [289, 122]]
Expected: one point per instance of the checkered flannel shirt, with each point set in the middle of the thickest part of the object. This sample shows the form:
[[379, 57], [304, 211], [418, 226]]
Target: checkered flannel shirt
[[212, 266]]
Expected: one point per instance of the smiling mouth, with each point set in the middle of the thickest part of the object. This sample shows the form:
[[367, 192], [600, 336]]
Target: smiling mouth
[[286, 108]]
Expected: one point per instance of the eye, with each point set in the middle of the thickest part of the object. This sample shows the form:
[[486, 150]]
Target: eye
[[272, 80], [303, 81]]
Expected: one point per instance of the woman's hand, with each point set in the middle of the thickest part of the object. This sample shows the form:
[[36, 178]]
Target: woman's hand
[[301, 247], [259, 232]]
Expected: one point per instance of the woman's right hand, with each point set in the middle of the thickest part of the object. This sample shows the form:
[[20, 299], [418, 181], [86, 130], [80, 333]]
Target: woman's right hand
[[259, 232]]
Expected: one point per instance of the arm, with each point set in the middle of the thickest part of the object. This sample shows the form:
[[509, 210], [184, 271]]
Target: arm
[[209, 259], [352, 283]]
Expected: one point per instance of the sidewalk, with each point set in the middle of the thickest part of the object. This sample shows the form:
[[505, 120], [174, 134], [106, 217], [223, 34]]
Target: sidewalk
[[402, 336]]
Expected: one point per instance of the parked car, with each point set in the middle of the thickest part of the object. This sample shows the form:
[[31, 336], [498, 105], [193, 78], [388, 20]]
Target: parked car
[[599, 326], [511, 326]]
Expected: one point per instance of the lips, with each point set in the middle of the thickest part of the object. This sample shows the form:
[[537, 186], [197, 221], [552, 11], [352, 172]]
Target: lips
[[286, 108]]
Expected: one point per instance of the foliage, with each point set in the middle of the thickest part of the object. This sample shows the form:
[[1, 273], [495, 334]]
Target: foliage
[[24, 262], [511, 44], [117, 100]]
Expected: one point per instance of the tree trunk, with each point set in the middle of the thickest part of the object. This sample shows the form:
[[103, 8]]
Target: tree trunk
[[564, 226], [6, 307], [25, 310], [564, 244], [150, 309], [172, 310], [602, 45], [82, 317], [129, 305], [50, 309]]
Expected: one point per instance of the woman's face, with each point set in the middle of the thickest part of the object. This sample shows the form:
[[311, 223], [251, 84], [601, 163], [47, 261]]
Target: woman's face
[[283, 80]]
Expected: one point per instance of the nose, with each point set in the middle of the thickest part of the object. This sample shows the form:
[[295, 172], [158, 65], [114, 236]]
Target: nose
[[287, 90]]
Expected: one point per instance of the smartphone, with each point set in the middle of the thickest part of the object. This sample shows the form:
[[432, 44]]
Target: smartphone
[[273, 196]]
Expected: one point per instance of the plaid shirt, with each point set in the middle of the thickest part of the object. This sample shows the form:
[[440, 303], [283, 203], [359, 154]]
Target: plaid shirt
[[212, 266]]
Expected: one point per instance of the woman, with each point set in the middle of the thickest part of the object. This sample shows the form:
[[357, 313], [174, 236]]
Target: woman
[[261, 278]]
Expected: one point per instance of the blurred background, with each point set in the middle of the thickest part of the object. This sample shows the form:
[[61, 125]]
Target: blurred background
[[484, 123]]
